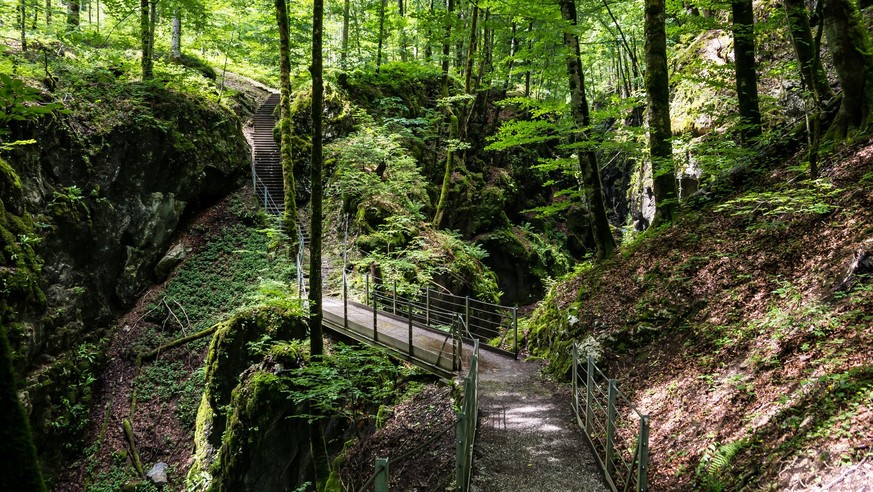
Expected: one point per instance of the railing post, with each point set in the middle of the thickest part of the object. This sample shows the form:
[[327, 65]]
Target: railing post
[[345, 302], [367, 289], [575, 401], [460, 438], [610, 427], [381, 482], [515, 329], [427, 306], [409, 304], [467, 312], [375, 314], [394, 303], [643, 464], [589, 399]]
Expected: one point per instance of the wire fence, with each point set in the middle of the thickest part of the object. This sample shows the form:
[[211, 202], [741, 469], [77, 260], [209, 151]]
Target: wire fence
[[491, 324], [617, 432]]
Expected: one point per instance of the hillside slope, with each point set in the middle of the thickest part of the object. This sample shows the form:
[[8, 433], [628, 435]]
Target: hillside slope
[[744, 330]]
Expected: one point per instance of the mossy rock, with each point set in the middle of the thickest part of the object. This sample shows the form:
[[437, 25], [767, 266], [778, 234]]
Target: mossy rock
[[234, 348]]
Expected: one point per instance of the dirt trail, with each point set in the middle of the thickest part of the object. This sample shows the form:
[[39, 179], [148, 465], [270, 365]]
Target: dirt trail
[[528, 438]]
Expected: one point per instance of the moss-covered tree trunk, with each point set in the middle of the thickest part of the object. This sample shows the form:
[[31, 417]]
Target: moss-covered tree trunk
[[145, 39], [450, 118], [19, 469], [587, 158], [745, 68], [850, 46], [657, 87], [811, 71], [289, 216]]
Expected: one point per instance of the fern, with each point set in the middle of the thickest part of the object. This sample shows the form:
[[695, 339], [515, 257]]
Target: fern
[[714, 464]]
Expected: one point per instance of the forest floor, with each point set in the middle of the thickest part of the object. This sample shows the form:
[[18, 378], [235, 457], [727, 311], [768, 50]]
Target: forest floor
[[744, 330]]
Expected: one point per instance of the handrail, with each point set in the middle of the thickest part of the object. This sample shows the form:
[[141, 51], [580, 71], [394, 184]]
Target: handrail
[[616, 431], [487, 322], [465, 426]]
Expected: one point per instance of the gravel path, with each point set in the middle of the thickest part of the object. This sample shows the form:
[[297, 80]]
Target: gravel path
[[528, 438]]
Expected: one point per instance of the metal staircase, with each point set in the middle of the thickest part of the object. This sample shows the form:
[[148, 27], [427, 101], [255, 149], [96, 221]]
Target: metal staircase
[[266, 162]]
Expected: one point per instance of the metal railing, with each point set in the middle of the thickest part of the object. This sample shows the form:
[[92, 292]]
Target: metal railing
[[492, 324], [465, 431], [617, 432]]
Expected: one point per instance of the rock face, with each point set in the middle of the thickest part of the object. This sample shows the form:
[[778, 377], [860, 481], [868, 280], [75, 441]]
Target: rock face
[[246, 436], [106, 192]]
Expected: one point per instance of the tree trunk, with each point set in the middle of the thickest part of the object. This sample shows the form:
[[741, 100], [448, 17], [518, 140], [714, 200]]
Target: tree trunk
[[22, 11], [145, 38], [316, 343], [745, 66], [850, 47], [48, 12], [289, 216], [471, 50], [527, 61], [381, 34], [20, 468], [153, 21], [72, 13], [176, 36], [344, 46], [428, 47], [811, 71], [587, 158], [447, 48], [658, 89]]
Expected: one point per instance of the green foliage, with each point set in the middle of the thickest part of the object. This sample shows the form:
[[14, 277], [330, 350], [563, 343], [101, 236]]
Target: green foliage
[[234, 268], [347, 382], [802, 198], [715, 465]]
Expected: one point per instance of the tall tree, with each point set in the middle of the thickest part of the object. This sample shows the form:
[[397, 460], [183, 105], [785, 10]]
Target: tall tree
[[289, 216], [745, 66], [382, 9], [22, 12], [812, 72], [316, 342], [145, 39], [176, 35], [73, 13], [344, 43], [852, 52], [658, 89], [587, 158]]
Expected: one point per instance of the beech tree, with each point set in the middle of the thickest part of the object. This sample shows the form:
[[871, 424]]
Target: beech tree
[[658, 89], [852, 52], [745, 67], [289, 217], [587, 157]]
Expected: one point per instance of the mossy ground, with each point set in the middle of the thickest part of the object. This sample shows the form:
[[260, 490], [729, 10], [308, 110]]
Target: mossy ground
[[730, 328]]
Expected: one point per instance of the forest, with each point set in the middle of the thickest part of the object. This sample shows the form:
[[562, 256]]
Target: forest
[[485, 245]]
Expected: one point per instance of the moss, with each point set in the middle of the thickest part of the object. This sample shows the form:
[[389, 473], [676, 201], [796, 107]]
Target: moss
[[231, 352]]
